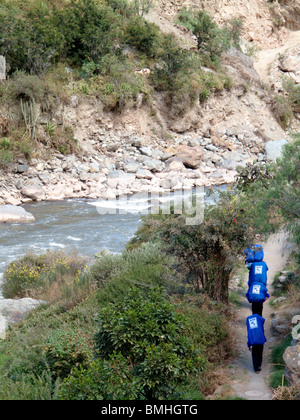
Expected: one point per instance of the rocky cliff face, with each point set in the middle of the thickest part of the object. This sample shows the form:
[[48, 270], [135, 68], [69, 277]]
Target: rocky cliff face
[[264, 21]]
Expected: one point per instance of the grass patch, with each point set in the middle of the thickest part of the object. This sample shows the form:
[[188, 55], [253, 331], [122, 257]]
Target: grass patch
[[277, 377]]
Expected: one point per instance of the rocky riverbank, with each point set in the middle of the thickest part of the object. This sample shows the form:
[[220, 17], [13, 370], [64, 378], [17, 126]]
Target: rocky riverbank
[[128, 164]]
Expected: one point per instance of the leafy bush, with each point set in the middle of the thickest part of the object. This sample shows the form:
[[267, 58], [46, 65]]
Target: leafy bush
[[30, 40], [293, 90], [211, 40], [283, 111], [208, 330], [206, 252], [141, 340], [105, 268], [142, 35], [6, 155], [89, 30], [103, 380], [66, 349], [26, 87]]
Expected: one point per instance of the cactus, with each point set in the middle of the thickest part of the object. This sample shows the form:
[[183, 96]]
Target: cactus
[[29, 113]]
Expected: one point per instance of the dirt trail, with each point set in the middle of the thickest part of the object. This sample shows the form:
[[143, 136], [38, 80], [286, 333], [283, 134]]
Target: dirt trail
[[267, 57], [247, 384]]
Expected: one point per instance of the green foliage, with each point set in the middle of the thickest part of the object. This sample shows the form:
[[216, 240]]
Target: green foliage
[[55, 341], [142, 7], [142, 35], [211, 40], [143, 351], [285, 106], [6, 154], [105, 42], [207, 329], [146, 330], [89, 30], [26, 87], [293, 90], [119, 85], [66, 349], [283, 111], [16, 144], [103, 380], [29, 38], [278, 363], [206, 252]]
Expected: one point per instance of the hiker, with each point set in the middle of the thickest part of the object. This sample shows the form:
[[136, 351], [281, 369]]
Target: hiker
[[258, 273], [256, 339], [257, 294]]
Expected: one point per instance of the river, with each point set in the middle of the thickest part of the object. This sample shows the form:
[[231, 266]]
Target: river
[[88, 226], [70, 224]]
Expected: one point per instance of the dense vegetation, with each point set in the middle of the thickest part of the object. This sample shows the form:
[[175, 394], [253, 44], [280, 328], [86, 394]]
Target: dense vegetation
[[117, 331]]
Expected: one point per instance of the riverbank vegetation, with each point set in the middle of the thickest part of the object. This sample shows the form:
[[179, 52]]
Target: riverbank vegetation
[[135, 321], [154, 321]]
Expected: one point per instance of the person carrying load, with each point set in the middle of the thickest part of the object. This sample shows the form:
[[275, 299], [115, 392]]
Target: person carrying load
[[257, 282]]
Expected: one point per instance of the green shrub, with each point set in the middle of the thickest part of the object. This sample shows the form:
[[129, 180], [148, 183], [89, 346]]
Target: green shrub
[[211, 40], [66, 349], [141, 347], [118, 85], [30, 41], [105, 268], [283, 111], [142, 35], [6, 156], [293, 90], [114, 275], [103, 380], [89, 30], [208, 331], [26, 87]]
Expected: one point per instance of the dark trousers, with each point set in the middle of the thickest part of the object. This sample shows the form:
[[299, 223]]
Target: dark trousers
[[257, 308], [257, 356]]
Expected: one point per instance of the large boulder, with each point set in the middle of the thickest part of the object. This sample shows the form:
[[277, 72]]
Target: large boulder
[[3, 327], [15, 214], [14, 310], [291, 358], [273, 149], [191, 157], [35, 192], [119, 179]]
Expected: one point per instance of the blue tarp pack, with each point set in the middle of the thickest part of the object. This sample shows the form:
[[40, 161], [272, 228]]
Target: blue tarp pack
[[255, 329], [258, 273], [257, 293], [254, 253]]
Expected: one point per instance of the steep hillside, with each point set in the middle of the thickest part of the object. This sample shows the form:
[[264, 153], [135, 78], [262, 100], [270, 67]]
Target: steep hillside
[[264, 21]]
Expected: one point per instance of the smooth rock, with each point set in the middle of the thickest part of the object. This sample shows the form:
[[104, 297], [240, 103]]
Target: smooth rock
[[274, 149], [15, 214]]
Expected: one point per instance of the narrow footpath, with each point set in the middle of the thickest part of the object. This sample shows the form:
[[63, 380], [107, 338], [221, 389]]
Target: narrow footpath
[[246, 383]]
